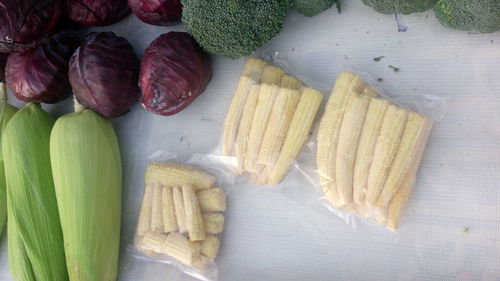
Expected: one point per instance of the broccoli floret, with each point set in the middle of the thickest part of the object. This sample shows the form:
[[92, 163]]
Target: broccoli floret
[[234, 28], [311, 8], [473, 15], [401, 6]]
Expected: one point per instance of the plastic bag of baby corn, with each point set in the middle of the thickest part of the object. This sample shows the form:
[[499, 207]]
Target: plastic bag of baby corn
[[368, 151], [180, 218], [268, 121]]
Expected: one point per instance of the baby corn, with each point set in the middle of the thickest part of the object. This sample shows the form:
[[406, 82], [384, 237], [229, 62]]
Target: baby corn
[[366, 147], [245, 126], [194, 220], [278, 126], [349, 135], [346, 86], [251, 76], [300, 126], [180, 210], [416, 130], [385, 150], [144, 223], [267, 96], [156, 210], [175, 175], [369, 151], [212, 200], [168, 210], [214, 222]]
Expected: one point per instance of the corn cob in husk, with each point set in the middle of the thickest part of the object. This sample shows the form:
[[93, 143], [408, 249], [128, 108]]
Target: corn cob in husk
[[36, 249], [87, 171], [6, 112]]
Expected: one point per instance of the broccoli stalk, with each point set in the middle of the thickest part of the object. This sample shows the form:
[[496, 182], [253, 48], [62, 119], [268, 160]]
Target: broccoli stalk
[[474, 15], [401, 6], [234, 28]]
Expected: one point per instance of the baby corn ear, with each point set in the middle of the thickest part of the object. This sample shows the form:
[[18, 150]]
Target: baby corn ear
[[400, 199], [416, 131], [277, 127], [153, 242], [262, 114], [291, 83], [194, 220], [347, 85], [253, 68], [144, 223], [245, 126], [180, 248], [251, 75], [387, 146], [168, 210], [298, 133], [176, 175], [180, 211], [272, 75], [398, 203], [174, 244], [212, 200], [214, 222], [370, 92], [156, 210], [210, 246], [350, 132], [366, 147]]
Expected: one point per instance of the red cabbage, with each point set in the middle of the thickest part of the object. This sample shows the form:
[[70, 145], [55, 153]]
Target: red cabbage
[[23, 23], [3, 62], [41, 74], [104, 72], [157, 12], [97, 12], [174, 72]]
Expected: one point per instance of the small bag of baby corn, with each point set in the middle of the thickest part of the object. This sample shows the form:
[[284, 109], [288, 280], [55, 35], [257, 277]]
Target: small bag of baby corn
[[181, 218], [268, 121], [368, 151]]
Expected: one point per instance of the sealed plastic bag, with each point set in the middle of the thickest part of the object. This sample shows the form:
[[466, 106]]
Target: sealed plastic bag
[[181, 216], [268, 121], [369, 149]]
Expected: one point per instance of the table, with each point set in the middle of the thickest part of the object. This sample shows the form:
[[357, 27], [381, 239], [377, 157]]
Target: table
[[451, 230]]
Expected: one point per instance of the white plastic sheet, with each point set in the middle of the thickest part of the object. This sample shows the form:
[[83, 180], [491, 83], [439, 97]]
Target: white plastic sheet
[[451, 229]]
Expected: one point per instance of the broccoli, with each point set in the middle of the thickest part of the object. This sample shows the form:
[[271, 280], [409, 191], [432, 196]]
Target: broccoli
[[400, 6], [311, 8], [474, 15], [234, 28]]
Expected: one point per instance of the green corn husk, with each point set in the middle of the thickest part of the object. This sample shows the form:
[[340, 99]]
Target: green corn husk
[[21, 269], [86, 164], [36, 249], [6, 112]]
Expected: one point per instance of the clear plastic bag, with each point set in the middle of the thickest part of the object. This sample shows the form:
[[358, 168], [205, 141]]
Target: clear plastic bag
[[369, 148], [182, 214], [268, 121]]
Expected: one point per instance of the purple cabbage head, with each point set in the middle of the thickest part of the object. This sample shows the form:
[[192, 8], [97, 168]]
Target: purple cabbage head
[[174, 72], [41, 74], [3, 62], [23, 23], [157, 12], [103, 73], [97, 12]]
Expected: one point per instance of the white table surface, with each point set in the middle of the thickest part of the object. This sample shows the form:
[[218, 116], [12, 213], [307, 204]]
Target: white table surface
[[272, 235]]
